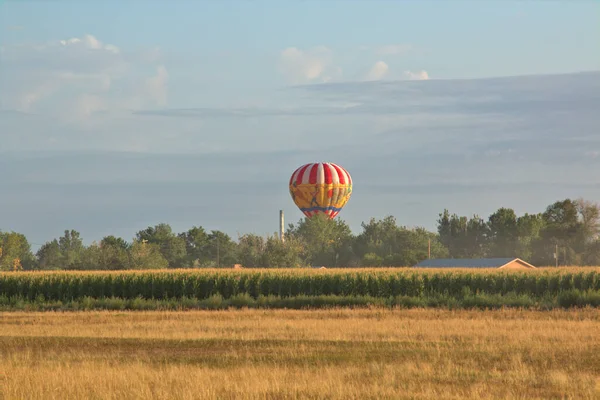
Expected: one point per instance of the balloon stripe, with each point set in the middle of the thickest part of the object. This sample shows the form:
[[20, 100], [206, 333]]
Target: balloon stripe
[[335, 179], [327, 171], [320, 173], [300, 180], [345, 175], [348, 175], [294, 177], [340, 174], [313, 174]]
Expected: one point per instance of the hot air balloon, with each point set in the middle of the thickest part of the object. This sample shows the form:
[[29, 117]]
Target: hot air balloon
[[320, 188]]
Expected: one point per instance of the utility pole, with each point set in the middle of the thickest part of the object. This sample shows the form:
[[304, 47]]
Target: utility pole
[[218, 259], [429, 248], [556, 255]]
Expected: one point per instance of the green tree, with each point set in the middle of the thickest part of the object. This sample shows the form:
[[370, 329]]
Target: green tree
[[278, 254], [112, 241], [91, 258], [15, 247], [221, 250], [71, 249], [589, 215], [322, 239], [378, 237], [452, 231], [383, 242], [172, 247], [503, 233], [197, 246], [114, 253], [563, 229], [477, 237], [372, 260], [463, 237], [529, 227], [144, 255], [570, 231], [251, 249], [50, 256], [414, 245]]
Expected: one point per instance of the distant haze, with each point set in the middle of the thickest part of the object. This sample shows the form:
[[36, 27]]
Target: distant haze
[[413, 148]]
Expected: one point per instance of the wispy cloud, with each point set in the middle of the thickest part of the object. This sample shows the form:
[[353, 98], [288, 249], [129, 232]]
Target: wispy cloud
[[79, 76], [305, 66], [318, 65]]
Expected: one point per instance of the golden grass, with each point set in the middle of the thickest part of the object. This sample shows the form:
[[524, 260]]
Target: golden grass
[[333, 354]]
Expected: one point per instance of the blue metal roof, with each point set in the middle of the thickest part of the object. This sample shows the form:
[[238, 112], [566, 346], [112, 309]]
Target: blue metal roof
[[465, 262]]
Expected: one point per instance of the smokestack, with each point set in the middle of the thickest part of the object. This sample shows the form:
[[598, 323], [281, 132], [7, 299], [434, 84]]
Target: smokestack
[[281, 226]]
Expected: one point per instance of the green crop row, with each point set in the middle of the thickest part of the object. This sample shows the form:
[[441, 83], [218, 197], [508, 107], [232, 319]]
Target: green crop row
[[204, 284]]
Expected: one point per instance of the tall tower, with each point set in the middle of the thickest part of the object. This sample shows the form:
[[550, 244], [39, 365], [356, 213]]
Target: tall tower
[[281, 226]]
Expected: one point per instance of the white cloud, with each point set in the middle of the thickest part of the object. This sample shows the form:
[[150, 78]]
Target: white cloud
[[306, 66], [317, 65], [77, 77], [416, 76], [393, 49], [378, 71], [90, 42]]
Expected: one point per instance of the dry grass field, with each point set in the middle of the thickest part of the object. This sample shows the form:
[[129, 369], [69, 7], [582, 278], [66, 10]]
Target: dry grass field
[[278, 354]]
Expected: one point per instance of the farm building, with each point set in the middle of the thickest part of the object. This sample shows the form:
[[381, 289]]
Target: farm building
[[498, 263]]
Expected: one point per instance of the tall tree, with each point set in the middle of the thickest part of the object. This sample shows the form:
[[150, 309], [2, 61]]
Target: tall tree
[[15, 252], [460, 235], [477, 237], [529, 228], [114, 241], [172, 247], [251, 249], [145, 255], [562, 229], [414, 246], [589, 215], [71, 248], [503, 233], [50, 256], [278, 254], [221, 250], [322, 238], [384, 243], [197, 246], [378, 237], [114, 253]]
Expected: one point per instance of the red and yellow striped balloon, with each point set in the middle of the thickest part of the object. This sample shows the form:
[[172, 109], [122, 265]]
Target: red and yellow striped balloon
[[320, 188]]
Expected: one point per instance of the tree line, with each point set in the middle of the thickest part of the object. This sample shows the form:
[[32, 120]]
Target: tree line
[[565, 233]]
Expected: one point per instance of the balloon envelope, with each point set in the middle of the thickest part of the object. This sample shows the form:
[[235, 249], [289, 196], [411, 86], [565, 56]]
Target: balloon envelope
[[320, 188]]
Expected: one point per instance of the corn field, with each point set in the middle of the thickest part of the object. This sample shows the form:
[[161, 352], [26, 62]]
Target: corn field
[[375, 282]]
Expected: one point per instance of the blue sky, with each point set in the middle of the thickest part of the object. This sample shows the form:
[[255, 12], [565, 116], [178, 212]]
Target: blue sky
[[451, 38], [109, 109]]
